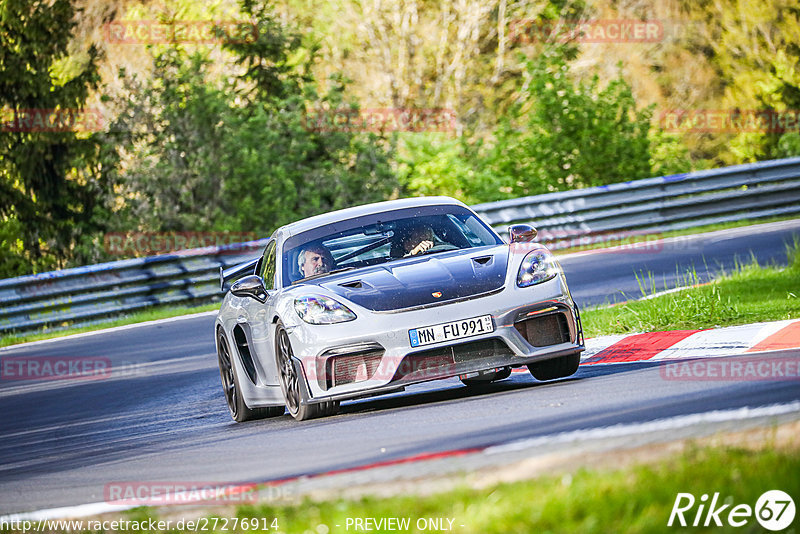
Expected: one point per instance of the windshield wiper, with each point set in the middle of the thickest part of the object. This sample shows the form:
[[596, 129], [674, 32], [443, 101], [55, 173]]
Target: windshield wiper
[[320, 275]]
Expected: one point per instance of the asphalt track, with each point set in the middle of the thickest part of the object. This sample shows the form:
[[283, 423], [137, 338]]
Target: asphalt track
[[161, 415]]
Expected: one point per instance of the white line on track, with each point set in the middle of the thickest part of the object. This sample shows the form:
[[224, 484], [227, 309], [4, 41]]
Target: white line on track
[[670, 423]]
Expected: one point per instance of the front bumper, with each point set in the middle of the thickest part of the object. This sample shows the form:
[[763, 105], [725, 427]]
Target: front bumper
[[374, 353]]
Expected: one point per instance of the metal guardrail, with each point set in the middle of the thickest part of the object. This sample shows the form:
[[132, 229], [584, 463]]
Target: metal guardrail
[[74, 297], [751, 191], [84, 295]]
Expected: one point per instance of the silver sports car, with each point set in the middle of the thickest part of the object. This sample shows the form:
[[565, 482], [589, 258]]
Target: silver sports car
[[368, 300]]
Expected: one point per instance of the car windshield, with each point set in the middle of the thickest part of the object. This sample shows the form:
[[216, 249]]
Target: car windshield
[[382, 237]]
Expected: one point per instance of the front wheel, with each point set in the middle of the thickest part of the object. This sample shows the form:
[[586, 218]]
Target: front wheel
[[560, 367], [292, 382], [239, 410]]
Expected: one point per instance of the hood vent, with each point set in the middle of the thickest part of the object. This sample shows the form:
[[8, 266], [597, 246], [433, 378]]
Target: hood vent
[[411, 283]]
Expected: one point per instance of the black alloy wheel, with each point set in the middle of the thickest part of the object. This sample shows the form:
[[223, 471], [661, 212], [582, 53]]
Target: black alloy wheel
[[239, 410]]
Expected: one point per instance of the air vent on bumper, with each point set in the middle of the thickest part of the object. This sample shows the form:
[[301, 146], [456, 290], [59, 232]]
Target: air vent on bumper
[[346, 365], [452, 360], [545, 330]]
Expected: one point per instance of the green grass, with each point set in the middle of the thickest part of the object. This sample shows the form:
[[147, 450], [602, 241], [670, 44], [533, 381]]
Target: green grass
[[628, 498], [750, 294], [636, 498], [151, 314], [640, 238]]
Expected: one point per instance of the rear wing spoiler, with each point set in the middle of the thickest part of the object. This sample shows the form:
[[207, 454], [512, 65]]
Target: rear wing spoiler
[[236, 271]]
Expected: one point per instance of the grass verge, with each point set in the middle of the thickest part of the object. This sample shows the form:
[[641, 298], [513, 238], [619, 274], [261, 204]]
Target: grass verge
[[750, 294], [151, 314], [636, 497]]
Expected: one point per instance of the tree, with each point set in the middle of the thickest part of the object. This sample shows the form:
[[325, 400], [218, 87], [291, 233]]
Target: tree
[[561, 134], [48, 189], [566, 134], [756, 49], [237, 152]]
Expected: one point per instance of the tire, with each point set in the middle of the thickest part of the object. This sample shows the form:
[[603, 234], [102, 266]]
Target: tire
[[233, 392], [292, 383], [328, 408], [478, 381], [560, 367]]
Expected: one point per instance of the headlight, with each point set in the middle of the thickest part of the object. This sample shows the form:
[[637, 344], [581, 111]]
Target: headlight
[[537, 267], [322, 310]]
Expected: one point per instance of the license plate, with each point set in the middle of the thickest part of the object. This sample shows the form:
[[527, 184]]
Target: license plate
[[427, 335]]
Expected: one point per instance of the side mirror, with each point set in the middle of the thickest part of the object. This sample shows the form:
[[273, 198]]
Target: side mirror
[[521, 233], [250, 286]]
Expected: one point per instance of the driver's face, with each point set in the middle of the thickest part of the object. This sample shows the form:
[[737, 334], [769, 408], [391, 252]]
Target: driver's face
[[417, 236], [314, 263]]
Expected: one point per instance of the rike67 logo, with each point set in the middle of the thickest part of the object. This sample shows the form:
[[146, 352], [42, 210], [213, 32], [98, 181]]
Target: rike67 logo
[[774, 510]]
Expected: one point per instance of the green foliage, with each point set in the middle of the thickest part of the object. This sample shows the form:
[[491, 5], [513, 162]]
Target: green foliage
[[172, 132], [433, 164], [669, 155], [271, 61], [218, 139], [567, 134], [48, 187], [239, 153], [282, 171], [561, 134], [757, 52], [789, 145]]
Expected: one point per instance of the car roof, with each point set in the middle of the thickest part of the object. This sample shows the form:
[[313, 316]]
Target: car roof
[[368, 209]]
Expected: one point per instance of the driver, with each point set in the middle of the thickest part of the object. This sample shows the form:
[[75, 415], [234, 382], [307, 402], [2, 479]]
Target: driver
[[417, 239], [314, 259]]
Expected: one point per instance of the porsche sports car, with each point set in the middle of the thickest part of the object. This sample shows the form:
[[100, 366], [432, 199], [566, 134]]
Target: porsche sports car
[[368, 300]]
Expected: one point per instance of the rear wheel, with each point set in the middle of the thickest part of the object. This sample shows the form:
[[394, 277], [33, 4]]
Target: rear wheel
[[500, 374], [560, 367], [233, 392], [292, 382]]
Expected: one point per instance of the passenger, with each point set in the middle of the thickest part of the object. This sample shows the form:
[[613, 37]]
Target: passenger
[[416, 239], [314, 259]]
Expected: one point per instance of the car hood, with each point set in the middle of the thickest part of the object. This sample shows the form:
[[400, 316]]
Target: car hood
[[430, 279]]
